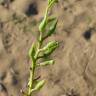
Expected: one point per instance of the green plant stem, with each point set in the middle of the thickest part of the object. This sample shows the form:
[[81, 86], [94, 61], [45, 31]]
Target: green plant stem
[[38, 50], [51, 4], [32, 70], [33, 67]]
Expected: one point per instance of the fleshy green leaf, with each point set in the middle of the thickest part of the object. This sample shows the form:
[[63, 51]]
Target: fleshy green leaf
[[32, 51], [44, 22], [42, 25], [50, 47], [52, 2], [39, 85], [52, 28], [49, 1], [49, 62]]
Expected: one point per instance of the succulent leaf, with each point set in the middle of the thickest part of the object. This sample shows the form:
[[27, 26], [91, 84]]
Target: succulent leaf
[[42, 25], [49, 62], [39, 85], [52, 2], [52, 28], [32, 51], [50, 47]]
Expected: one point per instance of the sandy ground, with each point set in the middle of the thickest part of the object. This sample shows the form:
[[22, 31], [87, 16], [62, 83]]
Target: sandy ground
[[74, 73]]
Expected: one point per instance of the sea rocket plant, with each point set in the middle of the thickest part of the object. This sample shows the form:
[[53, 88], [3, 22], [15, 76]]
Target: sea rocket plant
[[37, 51]]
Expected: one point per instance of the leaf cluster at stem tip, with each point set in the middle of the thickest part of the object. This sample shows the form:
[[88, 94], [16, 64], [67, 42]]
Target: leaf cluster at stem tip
[[47, 19]]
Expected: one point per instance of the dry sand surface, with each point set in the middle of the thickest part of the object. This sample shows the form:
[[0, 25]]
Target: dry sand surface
[[74, 73]]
